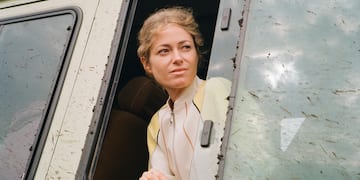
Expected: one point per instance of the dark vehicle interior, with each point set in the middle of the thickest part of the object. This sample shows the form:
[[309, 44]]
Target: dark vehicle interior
[[123, 153]]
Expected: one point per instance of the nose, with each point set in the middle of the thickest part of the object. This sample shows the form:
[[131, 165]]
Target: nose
[[177, 57]]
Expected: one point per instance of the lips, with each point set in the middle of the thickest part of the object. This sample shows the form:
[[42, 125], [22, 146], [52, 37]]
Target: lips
[[178, 70]]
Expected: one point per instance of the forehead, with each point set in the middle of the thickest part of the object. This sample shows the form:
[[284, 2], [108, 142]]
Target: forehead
[[171, 33]]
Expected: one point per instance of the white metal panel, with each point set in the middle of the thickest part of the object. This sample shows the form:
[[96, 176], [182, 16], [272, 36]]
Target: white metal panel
[[75, 110], [70, 125]]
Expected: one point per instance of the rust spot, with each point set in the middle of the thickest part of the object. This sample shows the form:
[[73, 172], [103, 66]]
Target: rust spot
[[334, 154], [241, 22], [311, 12], [339, 91], [253, 94], [309, 99], [309, 115], [220, 156], [284, 109]]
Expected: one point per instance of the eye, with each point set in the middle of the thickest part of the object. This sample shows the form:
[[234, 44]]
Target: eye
[[186, 47], [163, 52]]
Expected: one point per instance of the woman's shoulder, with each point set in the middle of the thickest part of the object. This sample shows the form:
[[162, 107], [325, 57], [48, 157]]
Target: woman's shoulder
[[216, 86], [219, 82]]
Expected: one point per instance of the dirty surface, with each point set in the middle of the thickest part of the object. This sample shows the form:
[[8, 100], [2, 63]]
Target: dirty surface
[[297, 106]]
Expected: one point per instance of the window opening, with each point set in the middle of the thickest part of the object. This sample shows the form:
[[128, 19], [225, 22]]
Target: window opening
[[132, 69]]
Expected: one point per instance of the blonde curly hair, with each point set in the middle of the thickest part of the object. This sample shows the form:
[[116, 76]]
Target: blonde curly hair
[[176, 15]]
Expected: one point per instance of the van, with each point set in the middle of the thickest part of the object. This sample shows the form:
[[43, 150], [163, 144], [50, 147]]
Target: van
[[75, 101]]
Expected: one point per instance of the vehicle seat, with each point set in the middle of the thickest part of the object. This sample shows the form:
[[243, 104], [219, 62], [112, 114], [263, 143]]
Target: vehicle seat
[[124, 153]]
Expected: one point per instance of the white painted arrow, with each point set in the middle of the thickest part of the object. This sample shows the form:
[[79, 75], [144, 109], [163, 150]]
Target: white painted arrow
[[289, 128]]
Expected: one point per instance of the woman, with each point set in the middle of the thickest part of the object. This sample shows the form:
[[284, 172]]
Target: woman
[[169, 50]]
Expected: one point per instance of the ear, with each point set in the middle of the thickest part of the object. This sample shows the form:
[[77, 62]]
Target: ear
[[146, 65]]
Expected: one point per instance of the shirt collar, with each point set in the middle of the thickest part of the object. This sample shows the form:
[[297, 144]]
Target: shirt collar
[[188, 94]]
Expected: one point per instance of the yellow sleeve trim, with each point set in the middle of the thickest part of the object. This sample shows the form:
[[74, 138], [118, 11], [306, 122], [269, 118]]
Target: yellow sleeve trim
[[152, 133], [199, 96]]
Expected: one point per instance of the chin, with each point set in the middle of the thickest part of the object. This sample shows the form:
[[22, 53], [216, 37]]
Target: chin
[[181, 84], [177, 84]]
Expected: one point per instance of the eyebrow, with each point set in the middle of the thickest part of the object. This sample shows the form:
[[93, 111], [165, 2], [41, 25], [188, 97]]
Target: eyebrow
[[181, 42], [184, 41]]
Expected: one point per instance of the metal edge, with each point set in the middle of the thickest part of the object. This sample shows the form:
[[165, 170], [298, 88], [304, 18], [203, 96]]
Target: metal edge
[[103, 105], [20, 4], [232, 97]]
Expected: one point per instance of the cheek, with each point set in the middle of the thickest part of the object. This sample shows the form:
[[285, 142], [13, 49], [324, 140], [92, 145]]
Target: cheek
[[157, 67], [194, 61]]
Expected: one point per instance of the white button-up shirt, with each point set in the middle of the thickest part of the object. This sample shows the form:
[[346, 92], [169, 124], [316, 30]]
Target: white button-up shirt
[[178, 135]]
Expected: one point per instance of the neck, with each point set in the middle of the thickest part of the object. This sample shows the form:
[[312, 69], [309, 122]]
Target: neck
[[174, 93]]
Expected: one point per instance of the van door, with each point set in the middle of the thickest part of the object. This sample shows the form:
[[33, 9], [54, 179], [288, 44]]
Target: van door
[[54, 60]]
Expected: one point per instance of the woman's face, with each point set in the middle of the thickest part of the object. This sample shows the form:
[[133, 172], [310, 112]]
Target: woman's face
[[173, 58]]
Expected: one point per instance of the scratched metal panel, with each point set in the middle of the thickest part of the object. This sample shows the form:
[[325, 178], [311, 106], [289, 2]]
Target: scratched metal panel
[[297, 112]]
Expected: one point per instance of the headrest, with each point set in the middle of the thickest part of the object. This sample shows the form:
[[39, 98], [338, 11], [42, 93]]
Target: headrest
[[141, 96]]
